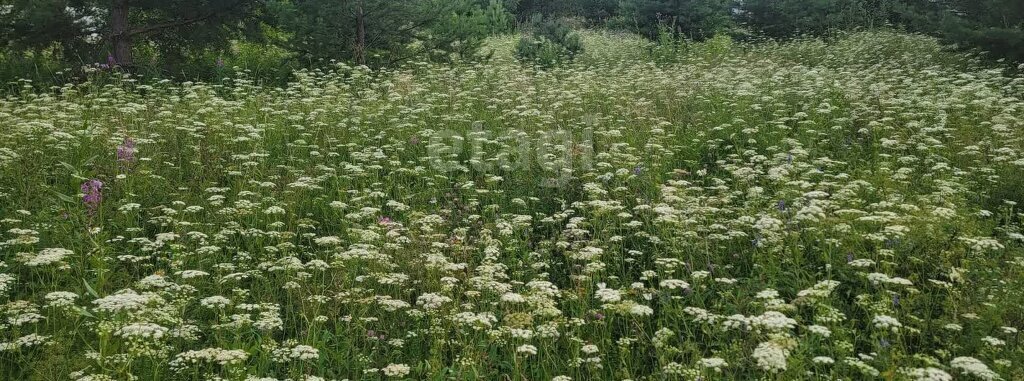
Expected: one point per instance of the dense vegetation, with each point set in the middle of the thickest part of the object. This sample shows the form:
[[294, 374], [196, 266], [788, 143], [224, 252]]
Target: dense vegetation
[[58, 41], [511, 190], [721, 211]]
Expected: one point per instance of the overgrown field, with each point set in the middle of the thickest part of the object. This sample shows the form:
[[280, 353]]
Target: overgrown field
[[805, 210]]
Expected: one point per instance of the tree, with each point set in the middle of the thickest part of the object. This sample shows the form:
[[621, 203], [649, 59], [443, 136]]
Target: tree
[[383, 32], [599, 11], [996, 26], [693, 19], [88, 27], [459, 35], [593, 11], [788, 18], [549, 42], [527, 9]]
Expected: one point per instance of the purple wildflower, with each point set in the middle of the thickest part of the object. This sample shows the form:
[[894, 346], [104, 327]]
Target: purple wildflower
[[111, 61], [220, 61], [126, 151], [92, 195]]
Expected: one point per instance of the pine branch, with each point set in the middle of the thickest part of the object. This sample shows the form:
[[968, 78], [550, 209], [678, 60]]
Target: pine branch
[[174, 24]]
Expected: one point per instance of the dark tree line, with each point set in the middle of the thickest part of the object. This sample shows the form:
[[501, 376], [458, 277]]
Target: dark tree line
[[385, 32], [996, 26], [373, 32], [90, 27]]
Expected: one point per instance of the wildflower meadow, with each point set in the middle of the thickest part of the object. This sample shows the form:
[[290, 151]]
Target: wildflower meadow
[[804, 210]]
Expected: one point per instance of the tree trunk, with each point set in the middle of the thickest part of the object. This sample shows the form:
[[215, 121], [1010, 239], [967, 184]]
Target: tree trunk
[[360, 36], [120, 37]]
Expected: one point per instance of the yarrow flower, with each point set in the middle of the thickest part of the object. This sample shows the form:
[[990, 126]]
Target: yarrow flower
[[304, 352], [974, 367], [46, 257], [396, 370], [887, 322], [214, 302], [60, 299], [771, 357], [607, 295], [431, 301], [527, 349], [714, 363], [824, 360], [141, 331], [926, 374], [209, 355]]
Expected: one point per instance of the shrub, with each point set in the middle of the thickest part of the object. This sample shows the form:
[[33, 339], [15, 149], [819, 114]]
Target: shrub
[[551, 42]]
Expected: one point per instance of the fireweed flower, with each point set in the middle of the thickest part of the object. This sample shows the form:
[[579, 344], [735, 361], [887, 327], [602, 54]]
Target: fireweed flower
[[92, 195], [126, 152]]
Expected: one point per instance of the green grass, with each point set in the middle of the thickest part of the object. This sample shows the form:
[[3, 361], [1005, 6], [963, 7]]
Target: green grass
[[801, 210]]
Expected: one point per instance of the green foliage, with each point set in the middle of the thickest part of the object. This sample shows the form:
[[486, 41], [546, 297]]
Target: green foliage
[[526, 10], [673, 49], [19, 68], [369, 32], [385, 32], [459, 35], [788, 18], [593, 12], [498, 17], [999, 42], [83, 28], [42, 24], [791, 210], [551, 42], [243, 59], [995, 26], [692, 19]]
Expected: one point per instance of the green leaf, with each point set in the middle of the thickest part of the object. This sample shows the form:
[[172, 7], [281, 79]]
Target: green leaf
[[89, 289], [74, 171], [64, 197], [84, 312]]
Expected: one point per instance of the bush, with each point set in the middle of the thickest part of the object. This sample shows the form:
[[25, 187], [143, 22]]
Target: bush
[[459, 35], [695, 20], [551, 42]]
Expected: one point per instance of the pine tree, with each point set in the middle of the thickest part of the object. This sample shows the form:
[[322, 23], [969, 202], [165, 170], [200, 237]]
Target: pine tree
[[383, 32], [693, 19], [92, 27]]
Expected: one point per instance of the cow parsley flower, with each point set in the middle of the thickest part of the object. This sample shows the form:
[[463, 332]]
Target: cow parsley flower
[[974, 367], [396, 370], [771, 357]]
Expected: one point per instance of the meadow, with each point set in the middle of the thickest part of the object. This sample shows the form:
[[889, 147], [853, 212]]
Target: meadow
[[842, 210]]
